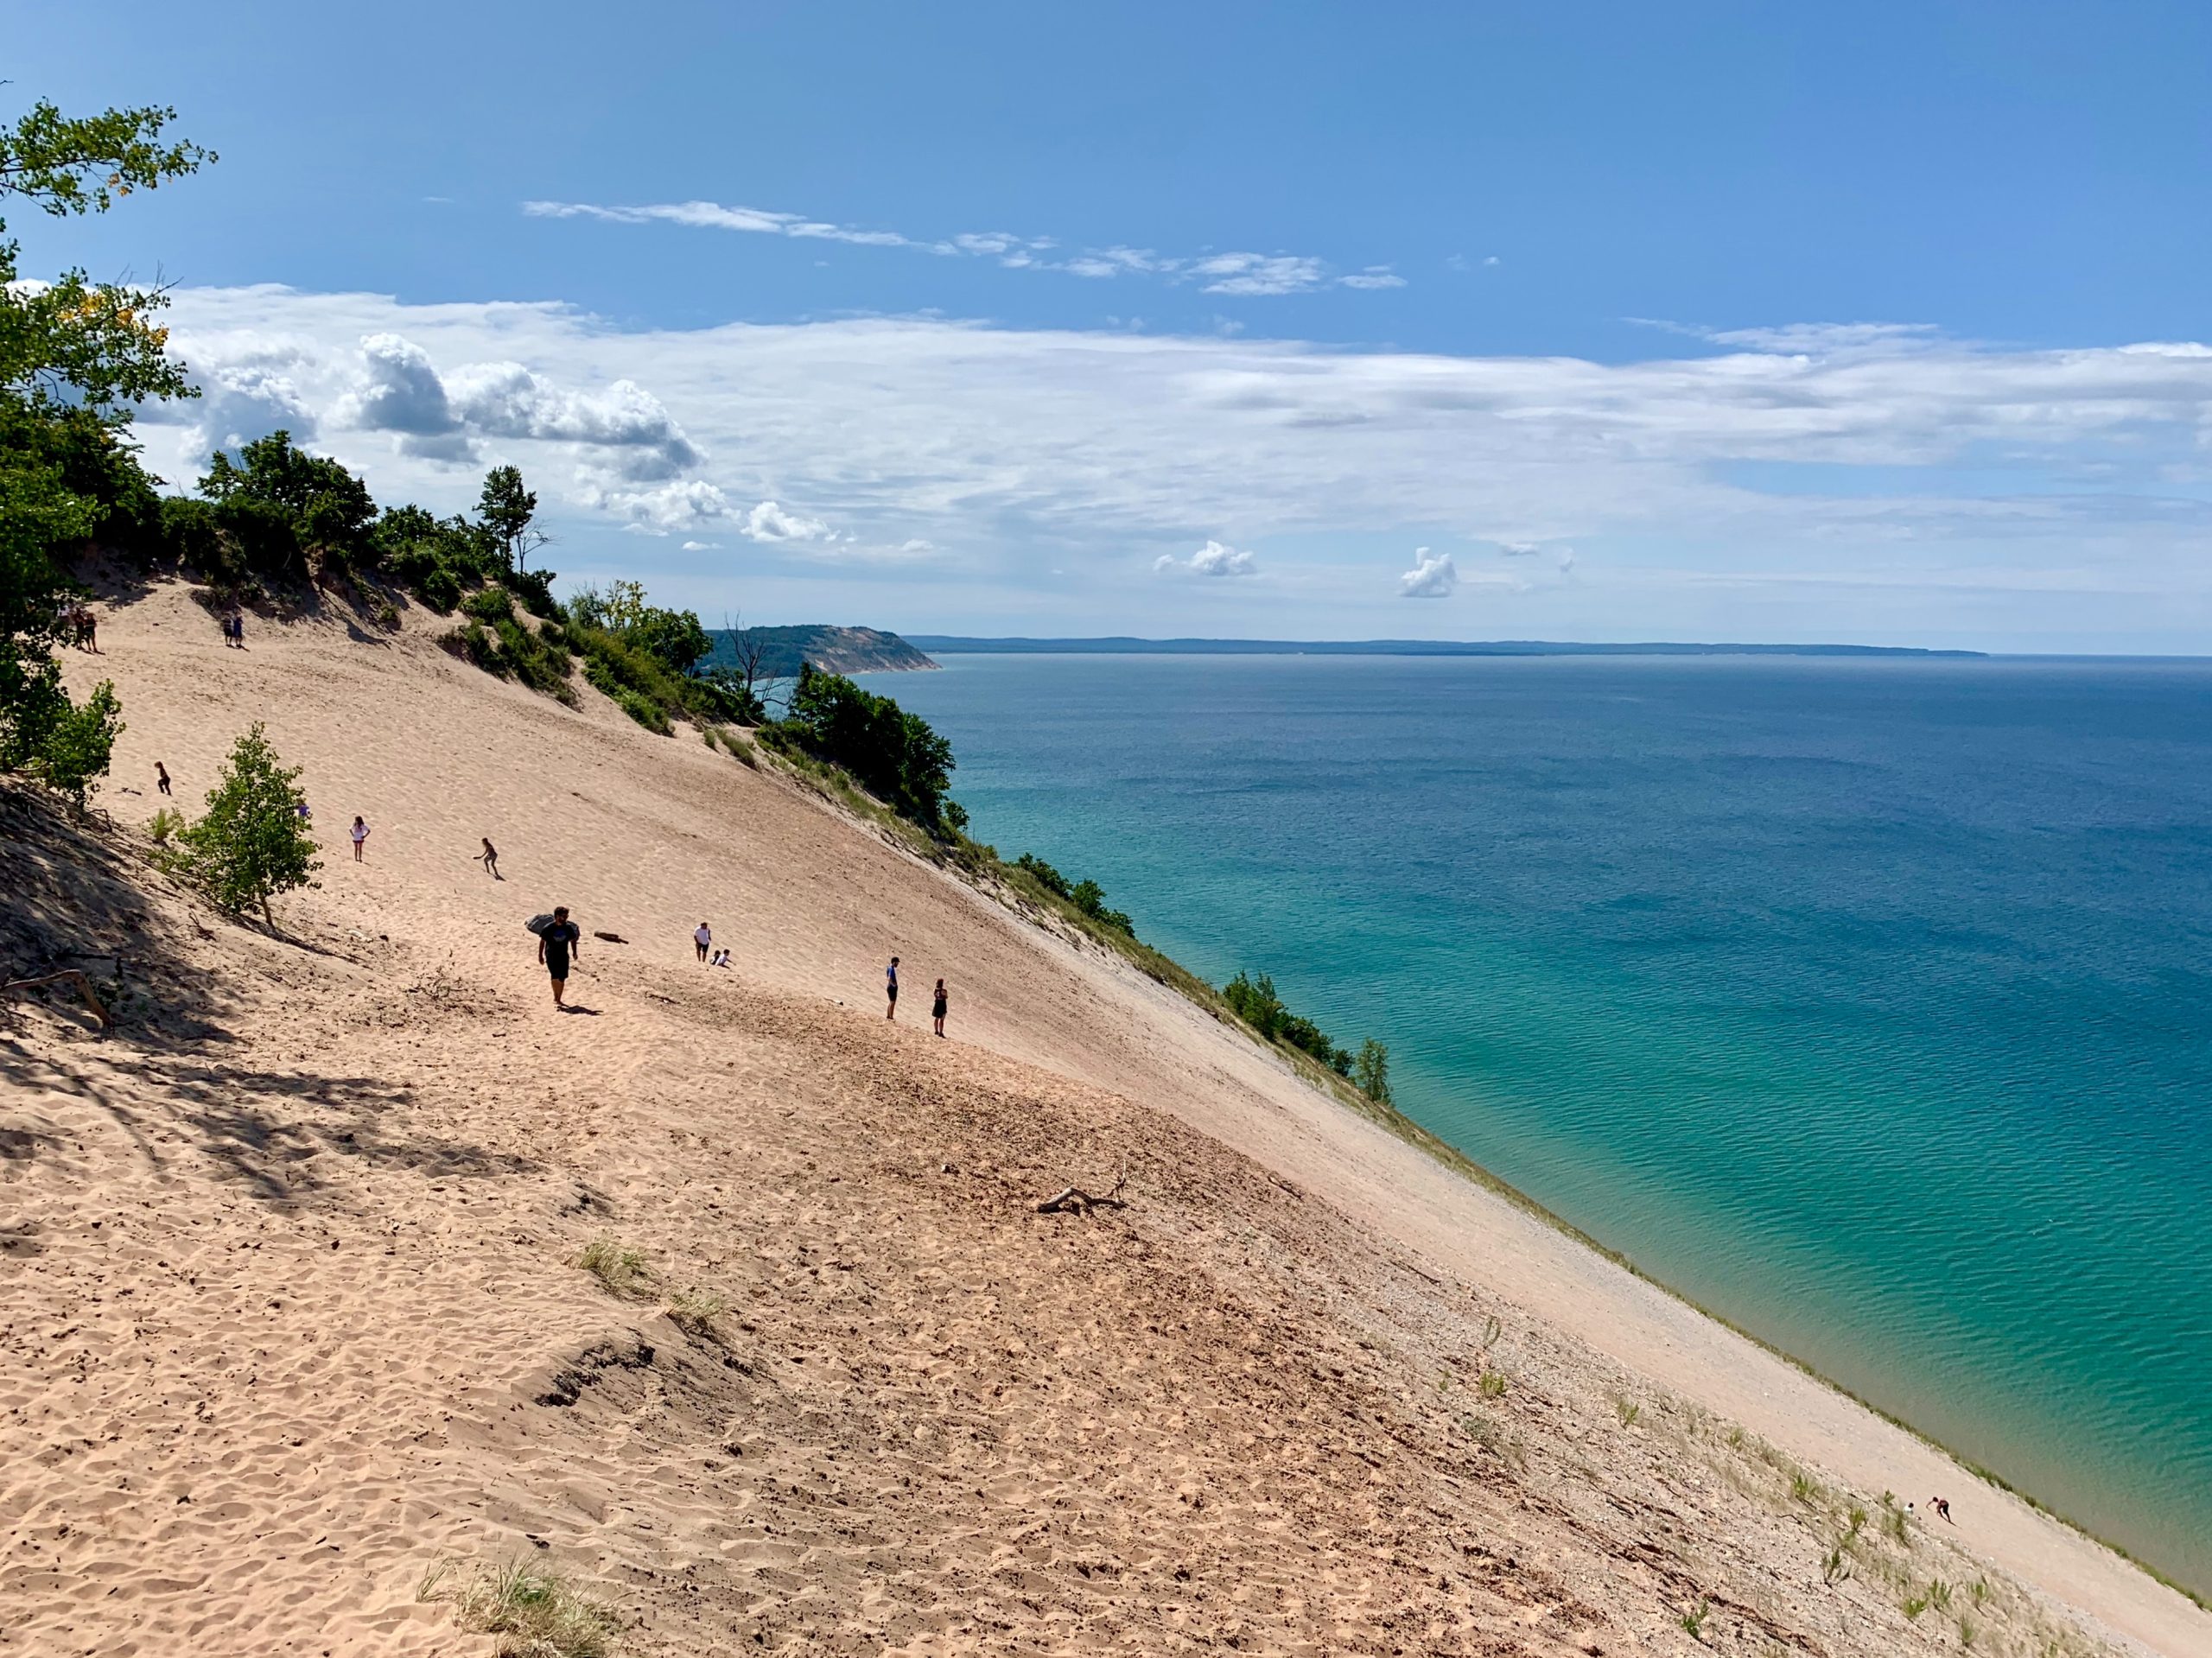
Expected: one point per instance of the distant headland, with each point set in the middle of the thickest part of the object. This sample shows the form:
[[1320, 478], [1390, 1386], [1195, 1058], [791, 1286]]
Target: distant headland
[[944, 644], [837, 650]]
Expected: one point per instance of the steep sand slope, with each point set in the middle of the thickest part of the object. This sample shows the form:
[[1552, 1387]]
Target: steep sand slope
[[292, 1313]]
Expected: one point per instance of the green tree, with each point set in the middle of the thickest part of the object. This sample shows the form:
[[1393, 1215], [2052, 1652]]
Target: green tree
[[506, 510], [77, 745], [894, 755], [276, 501], [251, 845], [1371, 1071], [75, 358]]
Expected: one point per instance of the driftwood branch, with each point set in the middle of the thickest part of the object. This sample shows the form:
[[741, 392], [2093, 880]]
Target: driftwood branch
[[67, 975], [1075, 1200]]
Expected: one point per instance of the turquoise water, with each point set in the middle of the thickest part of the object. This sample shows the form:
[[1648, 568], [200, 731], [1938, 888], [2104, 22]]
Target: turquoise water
[[1865, 1002]]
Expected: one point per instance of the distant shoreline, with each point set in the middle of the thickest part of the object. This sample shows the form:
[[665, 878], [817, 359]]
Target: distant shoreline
[[956, 644]]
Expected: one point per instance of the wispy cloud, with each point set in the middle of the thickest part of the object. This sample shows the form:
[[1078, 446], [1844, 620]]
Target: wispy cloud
[[1256, 275]]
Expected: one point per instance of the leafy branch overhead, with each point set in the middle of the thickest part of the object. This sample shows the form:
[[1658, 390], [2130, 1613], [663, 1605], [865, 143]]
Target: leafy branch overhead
[[76, 357]]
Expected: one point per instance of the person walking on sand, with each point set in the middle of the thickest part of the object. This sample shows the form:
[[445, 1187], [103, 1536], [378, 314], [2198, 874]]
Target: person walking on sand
[[1942, 1506], [555, 945], [359, 833], [161, 777], [490, 859], [891, 989], [937, 1008], [701, 937]]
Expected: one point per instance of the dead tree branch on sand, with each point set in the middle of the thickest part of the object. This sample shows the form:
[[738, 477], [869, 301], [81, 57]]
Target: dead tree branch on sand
[[1075, 1200], [69, 975]]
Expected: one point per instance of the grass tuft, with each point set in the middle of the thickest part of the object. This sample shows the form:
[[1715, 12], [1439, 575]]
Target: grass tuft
[[1492, 1385], [619, 1269], [1628, 1411], [533, 1609], [695, 1310], [1694, 1621]]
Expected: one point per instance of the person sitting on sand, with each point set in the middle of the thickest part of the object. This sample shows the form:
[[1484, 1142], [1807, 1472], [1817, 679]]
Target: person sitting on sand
[[555, 945], [721, 958], [891, 989], [490, 859], [702, 936], [161, 777], [937, 1008], [359, 833]]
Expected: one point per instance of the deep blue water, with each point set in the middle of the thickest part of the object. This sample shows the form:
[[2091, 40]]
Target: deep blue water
[[1865, 1002]]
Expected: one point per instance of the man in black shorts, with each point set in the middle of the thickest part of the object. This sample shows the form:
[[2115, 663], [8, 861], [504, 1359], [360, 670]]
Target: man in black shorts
[[555, 945], [891, 989]]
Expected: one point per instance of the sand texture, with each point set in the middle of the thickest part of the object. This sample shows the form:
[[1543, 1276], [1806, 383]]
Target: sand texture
[[293, 1310]]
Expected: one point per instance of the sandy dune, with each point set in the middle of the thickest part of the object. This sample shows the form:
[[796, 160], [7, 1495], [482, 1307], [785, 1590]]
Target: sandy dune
[[293, 1311]]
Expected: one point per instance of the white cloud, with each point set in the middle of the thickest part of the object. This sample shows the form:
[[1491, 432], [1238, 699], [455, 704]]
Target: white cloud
[[1433, 577], [661, 510], [700, 546], [1259, 273], [1244, 274], [769, 522], [1213, 559], [1895, 458], [1519, 548]]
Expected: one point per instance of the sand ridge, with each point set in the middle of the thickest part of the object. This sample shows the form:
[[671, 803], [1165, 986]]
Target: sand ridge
[[293, 1311]]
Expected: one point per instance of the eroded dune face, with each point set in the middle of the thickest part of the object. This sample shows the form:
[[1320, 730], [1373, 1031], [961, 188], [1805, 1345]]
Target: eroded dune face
[[293, 1309]]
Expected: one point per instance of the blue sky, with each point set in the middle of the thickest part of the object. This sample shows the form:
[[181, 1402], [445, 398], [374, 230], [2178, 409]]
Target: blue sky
[[1598, 320]]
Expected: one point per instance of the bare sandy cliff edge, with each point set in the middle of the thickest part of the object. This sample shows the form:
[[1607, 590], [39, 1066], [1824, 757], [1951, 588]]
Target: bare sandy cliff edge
[[294, 1311]]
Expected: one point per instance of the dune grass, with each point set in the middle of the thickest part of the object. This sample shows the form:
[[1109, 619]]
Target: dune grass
[[694, 1311], [533, 1609], [619, 1269]]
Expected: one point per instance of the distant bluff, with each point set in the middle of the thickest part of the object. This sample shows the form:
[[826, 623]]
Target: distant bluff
[[839, 650]]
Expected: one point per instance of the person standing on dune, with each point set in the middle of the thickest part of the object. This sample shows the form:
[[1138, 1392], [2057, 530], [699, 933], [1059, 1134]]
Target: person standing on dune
[[161, 777], [490, 859], [360, 832], [702, 938], [555, 945], [937, 1008], [891, 989]]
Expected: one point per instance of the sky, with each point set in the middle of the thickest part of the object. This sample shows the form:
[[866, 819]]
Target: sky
[[1879, 323]]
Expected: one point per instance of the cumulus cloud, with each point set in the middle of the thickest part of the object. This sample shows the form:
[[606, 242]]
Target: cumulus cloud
[[1213, 559], [1433, 576], [769, 522], [632, 434], [664, 508], [1244, 274], [401, 392]]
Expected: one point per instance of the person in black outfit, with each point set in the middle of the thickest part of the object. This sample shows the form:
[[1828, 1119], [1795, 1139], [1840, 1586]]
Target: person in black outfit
[[937, 1008], [554, 946]]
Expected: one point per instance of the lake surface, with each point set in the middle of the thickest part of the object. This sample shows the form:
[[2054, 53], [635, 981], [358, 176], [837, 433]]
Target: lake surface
[[1865, 1002]]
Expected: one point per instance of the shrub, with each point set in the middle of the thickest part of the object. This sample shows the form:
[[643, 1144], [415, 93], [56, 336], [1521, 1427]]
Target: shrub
[[893, 754], [74, 754], [250, 845], [162, 827], [1371, 1071]]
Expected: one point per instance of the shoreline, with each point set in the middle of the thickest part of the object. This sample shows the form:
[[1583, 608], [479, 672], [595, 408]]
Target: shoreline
[[2071, 1469]]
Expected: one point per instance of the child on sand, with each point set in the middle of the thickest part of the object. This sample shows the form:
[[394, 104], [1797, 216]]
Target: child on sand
[[161, 777], [490, 859], [360, 832], [891, 989], [702, 936], [937, 1008]]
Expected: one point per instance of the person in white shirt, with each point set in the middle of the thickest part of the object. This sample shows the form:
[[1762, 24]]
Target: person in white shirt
[[701, 937]]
